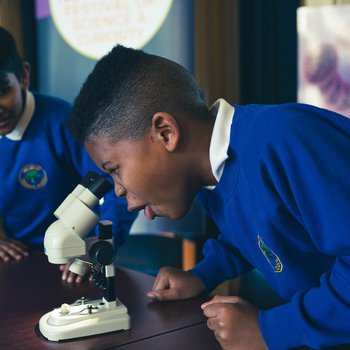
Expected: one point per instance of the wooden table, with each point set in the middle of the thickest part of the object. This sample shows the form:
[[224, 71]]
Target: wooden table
[[31, 288]]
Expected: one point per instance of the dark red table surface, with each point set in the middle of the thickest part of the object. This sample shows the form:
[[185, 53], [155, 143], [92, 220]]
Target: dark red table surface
[[31, 288]]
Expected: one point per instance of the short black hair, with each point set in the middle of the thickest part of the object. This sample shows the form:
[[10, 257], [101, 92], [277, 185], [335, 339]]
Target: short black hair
[[125, 89], [10, 60]]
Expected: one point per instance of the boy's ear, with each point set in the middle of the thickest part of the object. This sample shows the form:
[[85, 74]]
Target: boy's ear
[[26, 75], [166, 130]]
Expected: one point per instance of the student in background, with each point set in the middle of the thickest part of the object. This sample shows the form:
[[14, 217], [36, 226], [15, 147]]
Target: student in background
[[40, 163], [275, 179]]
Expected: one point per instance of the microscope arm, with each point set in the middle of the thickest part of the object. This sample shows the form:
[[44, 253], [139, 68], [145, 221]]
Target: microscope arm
[[66, 241], [102, 253]]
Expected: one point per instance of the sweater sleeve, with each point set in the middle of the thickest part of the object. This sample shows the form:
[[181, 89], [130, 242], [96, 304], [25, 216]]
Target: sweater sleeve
[[221, 260], [212, 271], [306, 158]]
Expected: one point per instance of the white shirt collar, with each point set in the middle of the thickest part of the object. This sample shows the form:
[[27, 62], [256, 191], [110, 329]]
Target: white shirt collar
[[220, 138], [17, 133]]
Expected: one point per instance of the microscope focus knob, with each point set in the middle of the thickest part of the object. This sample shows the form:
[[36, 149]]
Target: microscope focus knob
[[102, 252]]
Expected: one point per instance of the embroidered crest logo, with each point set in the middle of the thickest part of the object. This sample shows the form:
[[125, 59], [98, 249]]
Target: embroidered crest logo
[[33, 176], [270, 256]]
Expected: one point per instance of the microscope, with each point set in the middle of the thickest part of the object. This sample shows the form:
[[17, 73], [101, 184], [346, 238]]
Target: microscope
[[66, 242]]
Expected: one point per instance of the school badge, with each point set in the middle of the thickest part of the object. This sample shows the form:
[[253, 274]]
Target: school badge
[[270, 256], [33, 177]]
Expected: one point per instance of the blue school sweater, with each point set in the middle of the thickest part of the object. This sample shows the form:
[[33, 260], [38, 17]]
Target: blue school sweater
[[39, 171], [282, 205]]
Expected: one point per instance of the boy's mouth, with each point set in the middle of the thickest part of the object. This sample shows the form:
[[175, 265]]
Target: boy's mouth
[[5, 117], [4, 121]]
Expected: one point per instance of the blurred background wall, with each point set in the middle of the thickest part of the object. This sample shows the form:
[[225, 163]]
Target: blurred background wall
[[244, 51]]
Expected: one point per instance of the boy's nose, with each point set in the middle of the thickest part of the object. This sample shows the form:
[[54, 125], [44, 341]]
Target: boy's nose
[[119, 190]]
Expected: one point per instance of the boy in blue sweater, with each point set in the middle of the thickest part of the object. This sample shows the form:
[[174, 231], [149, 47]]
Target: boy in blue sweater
[[40, 163], [275, 179]]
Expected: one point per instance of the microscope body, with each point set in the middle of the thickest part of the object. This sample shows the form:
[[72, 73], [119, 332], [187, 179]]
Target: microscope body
[[66, 242], [64, 239]]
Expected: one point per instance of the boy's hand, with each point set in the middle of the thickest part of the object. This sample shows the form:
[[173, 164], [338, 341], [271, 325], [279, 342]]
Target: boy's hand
[[172, 283], [11, 249], [70, 276], [234, 322]]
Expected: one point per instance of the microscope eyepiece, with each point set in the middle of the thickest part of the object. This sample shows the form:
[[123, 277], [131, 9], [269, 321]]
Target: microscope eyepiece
[[96, 184]]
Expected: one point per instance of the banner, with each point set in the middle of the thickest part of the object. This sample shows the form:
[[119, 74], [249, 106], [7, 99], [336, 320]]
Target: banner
[[73, 34], [324, 57]]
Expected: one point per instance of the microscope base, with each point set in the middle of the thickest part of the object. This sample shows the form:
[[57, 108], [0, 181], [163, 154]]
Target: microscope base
[[84, 318]]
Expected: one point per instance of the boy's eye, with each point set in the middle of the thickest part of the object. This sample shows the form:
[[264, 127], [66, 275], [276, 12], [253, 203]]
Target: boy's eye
[[114, 171]]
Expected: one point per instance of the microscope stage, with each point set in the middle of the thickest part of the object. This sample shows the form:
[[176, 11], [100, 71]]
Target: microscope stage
[[84, 318]]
